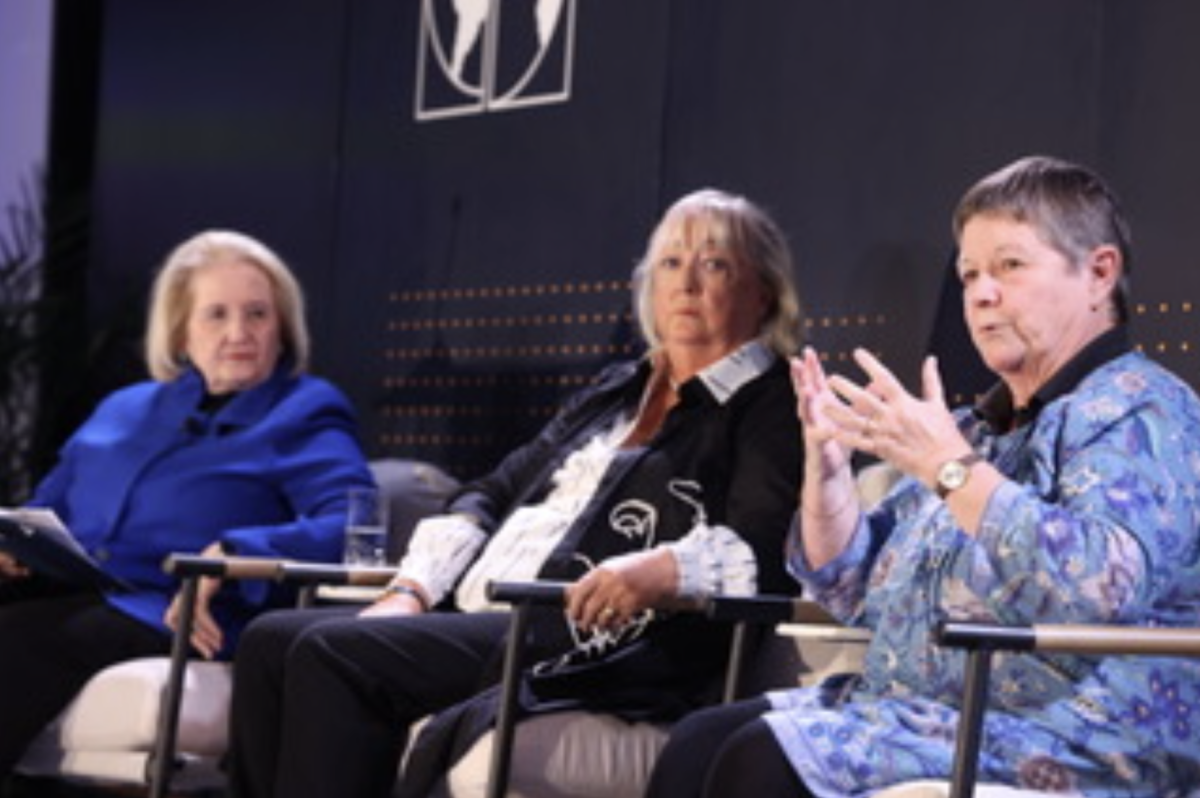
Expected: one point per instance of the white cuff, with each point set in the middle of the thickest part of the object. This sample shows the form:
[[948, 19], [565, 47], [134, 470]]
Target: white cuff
[[441, 549], [714, 559]]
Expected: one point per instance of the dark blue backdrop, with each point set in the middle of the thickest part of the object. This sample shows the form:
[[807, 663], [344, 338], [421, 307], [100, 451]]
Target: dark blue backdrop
[[466, 270]]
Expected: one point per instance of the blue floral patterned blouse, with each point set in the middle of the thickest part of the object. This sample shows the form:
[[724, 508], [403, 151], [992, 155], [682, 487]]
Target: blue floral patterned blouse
[[1098, 525]]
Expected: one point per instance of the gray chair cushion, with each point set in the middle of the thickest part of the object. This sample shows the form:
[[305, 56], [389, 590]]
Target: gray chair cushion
[[414, 490], [576, 754]]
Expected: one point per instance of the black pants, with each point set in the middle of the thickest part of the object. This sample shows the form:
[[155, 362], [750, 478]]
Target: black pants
[[50, 645], [323, 699], [725, 752]]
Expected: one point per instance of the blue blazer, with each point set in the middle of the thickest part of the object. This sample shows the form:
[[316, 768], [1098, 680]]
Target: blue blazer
[[148, 474]]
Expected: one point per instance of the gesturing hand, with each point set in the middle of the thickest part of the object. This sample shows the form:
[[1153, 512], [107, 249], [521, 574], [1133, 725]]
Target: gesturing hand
[[818, 408], [914, 434]]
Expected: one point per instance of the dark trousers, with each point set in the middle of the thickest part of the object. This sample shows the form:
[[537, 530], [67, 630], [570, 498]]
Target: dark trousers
[[323, 700], [725, 752], [52, 643]]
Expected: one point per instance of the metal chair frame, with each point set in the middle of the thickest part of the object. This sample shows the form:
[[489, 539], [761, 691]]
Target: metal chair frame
[[190, 569], [742, 612], [981, 641]]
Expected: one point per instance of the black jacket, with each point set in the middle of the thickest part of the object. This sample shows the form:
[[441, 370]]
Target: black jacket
[[742, 461]]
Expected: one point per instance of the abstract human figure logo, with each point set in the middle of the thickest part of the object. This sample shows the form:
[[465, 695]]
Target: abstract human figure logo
[[477, 56]]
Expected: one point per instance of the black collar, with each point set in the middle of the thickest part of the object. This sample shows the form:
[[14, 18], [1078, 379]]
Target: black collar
[[212, 402], [996, 406]]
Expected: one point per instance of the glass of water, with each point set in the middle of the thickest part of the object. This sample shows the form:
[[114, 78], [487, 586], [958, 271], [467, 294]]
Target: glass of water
[[366, 528]]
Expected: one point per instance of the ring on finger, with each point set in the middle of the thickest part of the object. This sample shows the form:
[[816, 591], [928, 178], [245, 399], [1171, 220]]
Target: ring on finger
[[607, 613]]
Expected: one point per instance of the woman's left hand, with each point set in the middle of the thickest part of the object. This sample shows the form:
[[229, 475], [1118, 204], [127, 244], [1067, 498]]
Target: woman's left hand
[[616, 590], [915, 434], [207, 637]]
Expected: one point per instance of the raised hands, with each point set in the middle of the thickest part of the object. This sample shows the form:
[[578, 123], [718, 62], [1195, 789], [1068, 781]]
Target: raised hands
[[828, 448], [881, 418]]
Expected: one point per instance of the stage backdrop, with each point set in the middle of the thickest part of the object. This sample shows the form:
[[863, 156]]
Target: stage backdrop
[[464, 187]]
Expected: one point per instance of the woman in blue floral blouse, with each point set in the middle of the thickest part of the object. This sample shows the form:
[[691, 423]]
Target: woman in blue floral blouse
[[1070, 493]]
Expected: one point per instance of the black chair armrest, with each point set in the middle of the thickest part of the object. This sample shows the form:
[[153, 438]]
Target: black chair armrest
[[278, 569], [981, 640], [544, 592], [764, 609], [189, 565], [190, 568], [312, 575], [1073, 638], [334, 574], [741, 611], [767, 609]]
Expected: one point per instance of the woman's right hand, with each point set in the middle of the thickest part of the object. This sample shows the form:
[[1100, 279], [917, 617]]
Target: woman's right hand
[[11, 567], [207, 635]]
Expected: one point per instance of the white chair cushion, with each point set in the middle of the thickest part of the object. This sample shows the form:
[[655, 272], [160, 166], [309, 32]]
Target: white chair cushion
[[567, 753], [118, 709]]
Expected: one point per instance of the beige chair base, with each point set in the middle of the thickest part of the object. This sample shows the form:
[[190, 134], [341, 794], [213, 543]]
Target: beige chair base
[[108, 733], [567, 754]]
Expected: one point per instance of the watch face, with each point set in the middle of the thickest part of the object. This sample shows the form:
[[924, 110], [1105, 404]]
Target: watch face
[[952, 475]]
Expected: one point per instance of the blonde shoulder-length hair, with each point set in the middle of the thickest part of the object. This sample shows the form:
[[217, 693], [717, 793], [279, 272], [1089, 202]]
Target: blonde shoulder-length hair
[[171, 299], [756, 242]]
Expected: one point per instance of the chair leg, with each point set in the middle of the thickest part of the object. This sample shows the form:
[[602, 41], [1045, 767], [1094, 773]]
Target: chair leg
[[737, 662], [162, 761], [506, 720], [970, 722]]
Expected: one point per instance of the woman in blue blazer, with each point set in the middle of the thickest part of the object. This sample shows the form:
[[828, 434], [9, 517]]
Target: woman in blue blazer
[[230, 448]]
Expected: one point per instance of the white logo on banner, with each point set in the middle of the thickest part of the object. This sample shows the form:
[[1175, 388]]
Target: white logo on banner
[[476, 56]]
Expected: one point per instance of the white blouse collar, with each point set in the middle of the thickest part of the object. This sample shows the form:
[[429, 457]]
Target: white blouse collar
[[727, 375]]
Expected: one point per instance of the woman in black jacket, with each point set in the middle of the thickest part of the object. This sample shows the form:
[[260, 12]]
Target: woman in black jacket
[[673, 475]]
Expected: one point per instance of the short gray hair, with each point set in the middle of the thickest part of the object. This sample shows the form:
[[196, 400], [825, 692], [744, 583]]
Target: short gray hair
[[1070, 205]]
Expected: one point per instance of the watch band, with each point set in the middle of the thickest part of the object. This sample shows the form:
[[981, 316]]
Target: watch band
[[407, 590]]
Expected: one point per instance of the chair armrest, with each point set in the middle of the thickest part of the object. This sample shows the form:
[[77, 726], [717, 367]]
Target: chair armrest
[[1072, 638], [764, 609], [551, 593], [545, 592], [358, 584], [308, 573], [185, 565], [981, 640], [277, 569], [741, 611], [190, 568]]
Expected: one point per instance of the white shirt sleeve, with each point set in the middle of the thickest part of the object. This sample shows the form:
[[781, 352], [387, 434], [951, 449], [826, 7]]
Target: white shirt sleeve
[[441, 549], [714, 559]]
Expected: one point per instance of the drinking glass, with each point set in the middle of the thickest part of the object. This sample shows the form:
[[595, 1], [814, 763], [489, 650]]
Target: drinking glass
[[366, 528]]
